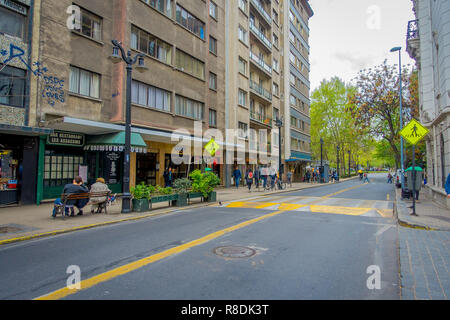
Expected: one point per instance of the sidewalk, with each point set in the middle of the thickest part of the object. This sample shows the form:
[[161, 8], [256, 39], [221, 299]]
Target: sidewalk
[[424, 249], [430, 215], [28, 222]]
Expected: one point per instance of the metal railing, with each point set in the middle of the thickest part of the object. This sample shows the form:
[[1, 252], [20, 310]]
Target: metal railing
[[260, 90], [262, 118], [260, 35], [413, 30], [261, 10], [260, 62]]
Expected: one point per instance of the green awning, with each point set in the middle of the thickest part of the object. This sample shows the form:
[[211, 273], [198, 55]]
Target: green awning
[[115, 142], [416, 169]]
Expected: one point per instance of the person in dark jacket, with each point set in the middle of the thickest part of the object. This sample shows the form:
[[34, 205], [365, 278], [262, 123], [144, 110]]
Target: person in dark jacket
[[237, 177], [257, 177], [249, 178], [76, 186]]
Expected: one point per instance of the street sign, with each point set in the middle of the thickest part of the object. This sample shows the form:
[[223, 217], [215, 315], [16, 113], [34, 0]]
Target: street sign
[[212, 147], [413, 132]]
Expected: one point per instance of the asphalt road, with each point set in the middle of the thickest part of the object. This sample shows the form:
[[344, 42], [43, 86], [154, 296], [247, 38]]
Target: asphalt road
[[320, 243]]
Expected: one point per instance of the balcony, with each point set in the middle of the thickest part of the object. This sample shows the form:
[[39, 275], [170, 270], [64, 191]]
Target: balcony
[[260, 63], [413, 40], [260, 36], [261, 118], [259, 7], [260, 91]]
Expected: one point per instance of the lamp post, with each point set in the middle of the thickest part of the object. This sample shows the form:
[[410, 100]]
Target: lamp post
[[321, 161], [401, 112], [130, 61], [279, 124], [337, 158]]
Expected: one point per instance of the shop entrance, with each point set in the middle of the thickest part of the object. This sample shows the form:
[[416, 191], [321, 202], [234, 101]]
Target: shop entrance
[[146, 168], [11, 161]]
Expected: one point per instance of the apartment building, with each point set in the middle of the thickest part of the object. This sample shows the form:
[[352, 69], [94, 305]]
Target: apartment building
[[428, 42], [268, 79], [211, 64]]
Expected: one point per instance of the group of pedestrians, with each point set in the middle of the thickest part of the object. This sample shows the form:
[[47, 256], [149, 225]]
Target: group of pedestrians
[[265, 175], [168, 177]]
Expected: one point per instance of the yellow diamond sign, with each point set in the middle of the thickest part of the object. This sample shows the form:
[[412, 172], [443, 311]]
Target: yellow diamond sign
[[413, 132], [212, 147]]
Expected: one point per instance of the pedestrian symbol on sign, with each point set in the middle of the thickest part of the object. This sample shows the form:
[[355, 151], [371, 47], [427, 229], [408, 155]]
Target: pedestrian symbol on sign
[[413, 132]]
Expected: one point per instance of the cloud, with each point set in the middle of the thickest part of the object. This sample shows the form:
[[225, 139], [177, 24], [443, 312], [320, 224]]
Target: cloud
[[357, 62]]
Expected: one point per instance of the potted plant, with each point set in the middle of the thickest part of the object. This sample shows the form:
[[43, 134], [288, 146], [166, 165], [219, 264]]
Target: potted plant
[[141, 195], [182, 186], [205, 183]]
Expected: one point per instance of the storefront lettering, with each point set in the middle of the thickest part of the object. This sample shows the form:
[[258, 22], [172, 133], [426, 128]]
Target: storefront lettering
[[64, 138]]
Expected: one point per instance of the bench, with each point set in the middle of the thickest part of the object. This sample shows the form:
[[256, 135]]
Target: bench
[[60, 208]]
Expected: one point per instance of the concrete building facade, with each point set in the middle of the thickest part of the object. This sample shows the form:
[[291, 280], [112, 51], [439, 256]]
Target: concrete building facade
[[428, 42]]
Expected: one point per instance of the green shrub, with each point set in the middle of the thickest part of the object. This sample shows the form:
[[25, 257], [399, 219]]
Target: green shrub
[[141, 191], [204, 182], [182, 185]]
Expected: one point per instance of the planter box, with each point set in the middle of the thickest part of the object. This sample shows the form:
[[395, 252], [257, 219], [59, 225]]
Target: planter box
[[163, 198], [193, 195], [140, 205], [212, 196], [182, 200]]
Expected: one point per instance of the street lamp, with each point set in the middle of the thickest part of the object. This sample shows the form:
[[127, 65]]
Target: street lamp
[[401, 112], [116, 58], [321, 161], [279, 124], [337, 158]]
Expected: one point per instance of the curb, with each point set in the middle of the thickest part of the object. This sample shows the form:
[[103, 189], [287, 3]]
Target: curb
[[102, 224], [404, 223]]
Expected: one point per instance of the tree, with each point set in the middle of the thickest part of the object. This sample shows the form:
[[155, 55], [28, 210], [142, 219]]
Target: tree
[[332, 120], [375, 103]]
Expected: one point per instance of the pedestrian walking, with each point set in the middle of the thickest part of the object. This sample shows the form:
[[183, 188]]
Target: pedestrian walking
[[257, 176], [447, 186], [366, 178], [389, 178], [249, 178], [289, 177], [237, 176], [308, 176], [265, 174]]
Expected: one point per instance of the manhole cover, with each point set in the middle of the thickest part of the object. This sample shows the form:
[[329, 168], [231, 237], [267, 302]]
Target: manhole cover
[[234, 252], [9, 229]]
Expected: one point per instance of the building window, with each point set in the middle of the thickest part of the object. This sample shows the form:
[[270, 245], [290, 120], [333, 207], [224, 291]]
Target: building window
[[242, 130], [148, 44], [163, 6], [212, 45], [212, 117], [188, 108], [150, 96], [242, 66], [212, 81], [12, 86], [91, 25], [243, 5], [13, 23], [275, 16], [276, 89], [275, 40], [242, 34], [188, 64], [213, 10], [275, 65], [83, 82], [242, 95], [190, 22]]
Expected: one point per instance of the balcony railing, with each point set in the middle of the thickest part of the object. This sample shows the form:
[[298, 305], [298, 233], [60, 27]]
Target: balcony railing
[[262, 118], [260, 35], [260, 62], [260, 90], [261, 10], [413, 30]]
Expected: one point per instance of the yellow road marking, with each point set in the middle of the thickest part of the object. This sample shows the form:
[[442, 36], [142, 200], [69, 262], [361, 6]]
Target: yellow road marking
[[340, 210], [386, 213], [108, 275], [342, 191], [290, 206]]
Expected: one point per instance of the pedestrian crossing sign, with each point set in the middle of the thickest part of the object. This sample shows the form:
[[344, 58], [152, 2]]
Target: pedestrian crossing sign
[[414, 131], [211, 147]]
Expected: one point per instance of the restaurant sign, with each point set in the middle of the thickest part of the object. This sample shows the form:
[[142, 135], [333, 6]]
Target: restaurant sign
[[62, 138]]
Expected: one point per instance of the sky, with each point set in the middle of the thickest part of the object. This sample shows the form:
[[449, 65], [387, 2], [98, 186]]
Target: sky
[[347, 36]]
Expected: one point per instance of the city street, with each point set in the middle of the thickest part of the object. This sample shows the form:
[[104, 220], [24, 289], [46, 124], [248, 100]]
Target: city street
[[319, 243]]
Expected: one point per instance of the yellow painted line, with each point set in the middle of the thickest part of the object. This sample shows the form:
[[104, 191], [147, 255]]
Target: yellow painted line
[[251, 205], [108, 275], [386, 213], [290, 206], [340, 210], [342, 191]]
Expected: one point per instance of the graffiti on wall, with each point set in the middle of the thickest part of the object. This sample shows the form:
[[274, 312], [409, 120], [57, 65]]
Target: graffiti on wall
[[53, 87]]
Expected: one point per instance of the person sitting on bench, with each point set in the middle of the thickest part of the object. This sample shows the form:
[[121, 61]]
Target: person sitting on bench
[[98, 186], [76, 186]]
